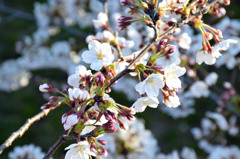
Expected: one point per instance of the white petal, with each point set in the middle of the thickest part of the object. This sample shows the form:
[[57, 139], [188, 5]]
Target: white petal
[[140, 87], [94, 46], [151, 90], [153, 102]]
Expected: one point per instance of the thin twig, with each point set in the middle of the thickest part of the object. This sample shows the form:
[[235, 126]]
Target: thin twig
[[55, 146], [120, 54], [156, 7], [105, 4], [19, 133]]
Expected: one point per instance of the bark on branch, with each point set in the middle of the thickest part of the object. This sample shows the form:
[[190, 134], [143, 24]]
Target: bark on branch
[[19, 133]]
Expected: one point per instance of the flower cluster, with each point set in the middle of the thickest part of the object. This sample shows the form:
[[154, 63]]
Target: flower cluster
[[93, 112]]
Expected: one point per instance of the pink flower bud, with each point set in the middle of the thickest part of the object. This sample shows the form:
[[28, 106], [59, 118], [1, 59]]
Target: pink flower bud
[[163, 42], [101, 80], [46, 88], [109, 127], [53, 98], [97, 80], [93, 145], [131, 117], [47, 106], [105, 153], [92, 149], [125, 2], [107, 116], [170, 50], [109, 75], [157, 68], [103, 142], [123, 125]]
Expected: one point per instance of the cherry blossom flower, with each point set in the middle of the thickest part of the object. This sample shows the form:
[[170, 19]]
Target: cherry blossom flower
[[227, 59], [61, 48], [171, 16], [151, 85], [101, 21], [185, 41], [89, 128], [223, 152], [27, 151], [171, 74], [81, 150], [77, 93], [107, 35], [211, 79], [199, 89], [98, 55], [141, 104], [188, 153], [172, 101], [44, 87], [197, 133], [204, 56], [173, 58], [220, 119], [131, 144], [224, 45], [69, 120], [80, 71], [209, 59]]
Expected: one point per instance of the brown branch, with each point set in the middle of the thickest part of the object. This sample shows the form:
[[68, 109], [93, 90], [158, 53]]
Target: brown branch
[[56, 145], [19, 133]]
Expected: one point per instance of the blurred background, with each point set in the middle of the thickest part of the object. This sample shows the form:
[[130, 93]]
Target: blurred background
[[17, 105]]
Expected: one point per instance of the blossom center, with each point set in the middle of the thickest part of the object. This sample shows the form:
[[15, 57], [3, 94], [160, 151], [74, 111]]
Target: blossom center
[[171, 73], [150, 81], [146, 103], [80, 149], [100, 55]]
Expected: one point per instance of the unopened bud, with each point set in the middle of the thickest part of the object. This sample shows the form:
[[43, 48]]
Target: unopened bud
[[226, 2], [157, 68], [53, 98], [46, 88], [93, 144], [103, 142], [125, 2], [208, 35], [163, 42], [144, 6], [107, 116], [97, 80], [109, 127], [92, 149], [47, 106], [105, 153], [109, 75], [170, 50], [123, 125], [132, 10], [131, 117]]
